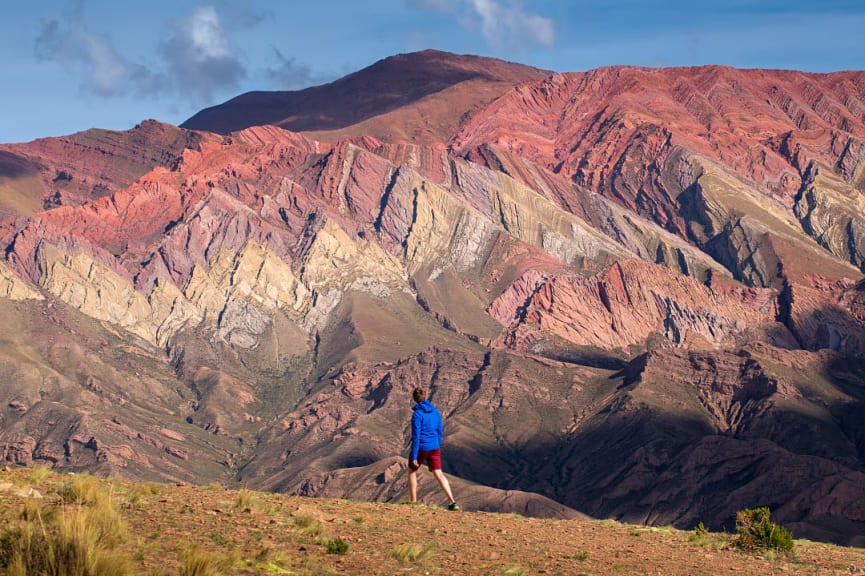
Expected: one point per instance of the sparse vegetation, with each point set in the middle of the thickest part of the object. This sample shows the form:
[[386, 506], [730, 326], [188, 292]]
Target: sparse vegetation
[[221, 540], [38, 472], [757, 532], [699, 535], [271, 560], [411, 553], [82, 489], [136, 495], [309, 525], [198, 562], [291, 535], [246, 499]]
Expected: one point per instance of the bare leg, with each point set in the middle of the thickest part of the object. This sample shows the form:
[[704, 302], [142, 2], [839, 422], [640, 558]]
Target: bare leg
[[443, 482], [412, 484]]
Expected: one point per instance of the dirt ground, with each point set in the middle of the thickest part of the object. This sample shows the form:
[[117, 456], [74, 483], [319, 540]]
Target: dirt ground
[[244, 532]]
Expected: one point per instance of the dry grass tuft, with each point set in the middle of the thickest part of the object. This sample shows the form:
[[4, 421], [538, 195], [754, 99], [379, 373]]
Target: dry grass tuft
[[70, 540], [198, 562], [411, 553]]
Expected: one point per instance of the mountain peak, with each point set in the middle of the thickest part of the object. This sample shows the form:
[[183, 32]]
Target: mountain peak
[[394, 82]]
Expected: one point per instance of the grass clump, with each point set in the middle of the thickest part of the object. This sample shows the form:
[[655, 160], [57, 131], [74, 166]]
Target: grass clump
[[757, 532], [246, 499], [411, 553], [70, 540], [38, 472], [271, 561], [198, 562], [309, 525], [83, 489]]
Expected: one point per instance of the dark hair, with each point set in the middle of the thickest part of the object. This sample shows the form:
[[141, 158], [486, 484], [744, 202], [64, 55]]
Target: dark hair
[[419, 394]]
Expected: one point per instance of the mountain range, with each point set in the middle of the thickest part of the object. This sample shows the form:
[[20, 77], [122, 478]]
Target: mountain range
[[633, 293]]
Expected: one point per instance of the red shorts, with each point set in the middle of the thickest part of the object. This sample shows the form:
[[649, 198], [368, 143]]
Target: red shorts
[[433, 459]]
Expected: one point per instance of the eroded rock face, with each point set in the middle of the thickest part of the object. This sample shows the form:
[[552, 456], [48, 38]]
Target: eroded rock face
[[14, 288], [624, 306], [634, 135], [831, 211]]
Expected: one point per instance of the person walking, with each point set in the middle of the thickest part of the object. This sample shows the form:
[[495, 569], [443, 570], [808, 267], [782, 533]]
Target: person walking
[[426, 440]]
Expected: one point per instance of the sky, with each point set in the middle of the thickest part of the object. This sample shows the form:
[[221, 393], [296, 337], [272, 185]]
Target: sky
[[70, 65]]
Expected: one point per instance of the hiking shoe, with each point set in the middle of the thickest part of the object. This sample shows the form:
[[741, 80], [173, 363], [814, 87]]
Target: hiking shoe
[[453, 507]]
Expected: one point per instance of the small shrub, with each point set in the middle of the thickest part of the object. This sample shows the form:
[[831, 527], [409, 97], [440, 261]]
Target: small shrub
[[757, 532], [699, 535], [514, 570], [336, 546], [581, 556]]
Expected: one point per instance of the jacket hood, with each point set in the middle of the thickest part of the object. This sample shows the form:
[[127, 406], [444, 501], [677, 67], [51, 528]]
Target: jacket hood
[[424, 406]]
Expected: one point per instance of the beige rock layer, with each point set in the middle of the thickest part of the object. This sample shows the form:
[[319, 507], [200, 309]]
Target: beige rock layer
[[14, 288]]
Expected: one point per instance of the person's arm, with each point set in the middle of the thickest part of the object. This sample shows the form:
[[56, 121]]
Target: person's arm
[[440, 429], [415, 435]]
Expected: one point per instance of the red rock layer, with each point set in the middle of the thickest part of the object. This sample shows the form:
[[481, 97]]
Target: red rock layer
[[87, 165], [618, 130]]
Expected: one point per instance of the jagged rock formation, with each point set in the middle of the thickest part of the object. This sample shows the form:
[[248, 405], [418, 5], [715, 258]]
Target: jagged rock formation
[[633, 293]]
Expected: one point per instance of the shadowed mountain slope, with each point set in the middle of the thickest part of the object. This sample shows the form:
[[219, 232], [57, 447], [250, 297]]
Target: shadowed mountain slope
[[398, 82]]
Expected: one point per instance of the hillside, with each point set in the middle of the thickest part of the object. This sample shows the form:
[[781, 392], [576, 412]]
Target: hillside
[[420, 97], [619, 311], [223, 531]]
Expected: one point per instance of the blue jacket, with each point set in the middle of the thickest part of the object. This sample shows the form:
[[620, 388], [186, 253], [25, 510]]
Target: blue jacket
[[426, 428]]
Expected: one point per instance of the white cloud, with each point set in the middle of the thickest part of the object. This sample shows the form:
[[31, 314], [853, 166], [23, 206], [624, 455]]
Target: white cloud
[[500, 23], [107, 72], [199, 58], [206, 37]]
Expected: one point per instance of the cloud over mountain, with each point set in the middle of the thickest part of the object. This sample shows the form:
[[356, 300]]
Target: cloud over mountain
[[500, 23], [107, 72], [199, 57]]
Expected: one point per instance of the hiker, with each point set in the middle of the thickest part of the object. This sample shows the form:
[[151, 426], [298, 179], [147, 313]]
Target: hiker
[[426, 440]]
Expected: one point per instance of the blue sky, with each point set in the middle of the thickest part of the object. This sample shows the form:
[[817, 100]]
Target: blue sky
[[69, 65]]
